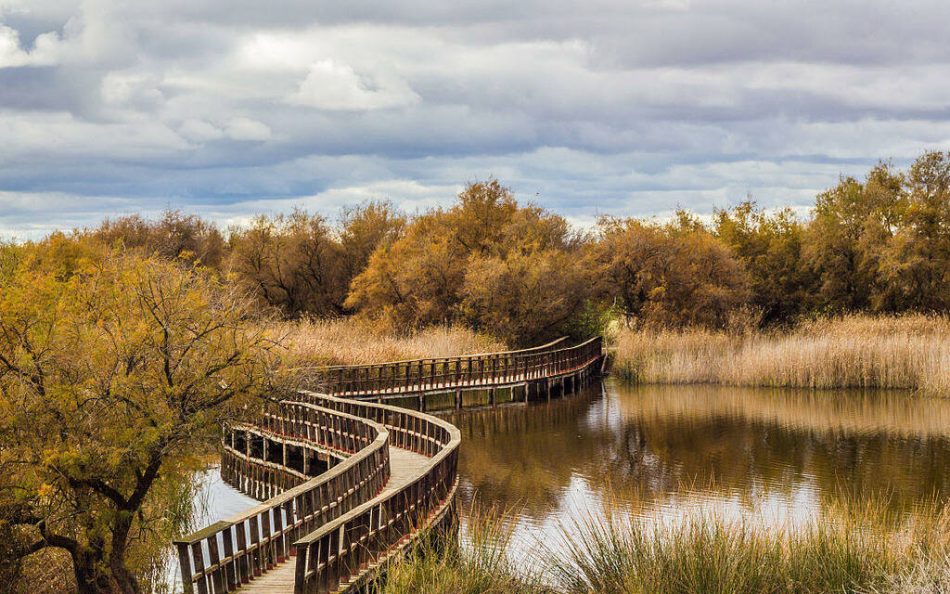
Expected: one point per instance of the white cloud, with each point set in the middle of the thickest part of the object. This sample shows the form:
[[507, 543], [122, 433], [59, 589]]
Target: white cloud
[[12, 54], [588, 107], [247, 129], [199, 131], [330, 85]]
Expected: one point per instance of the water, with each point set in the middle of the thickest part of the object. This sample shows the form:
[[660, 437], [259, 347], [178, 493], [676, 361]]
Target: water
[[657, 452], [214, 500]]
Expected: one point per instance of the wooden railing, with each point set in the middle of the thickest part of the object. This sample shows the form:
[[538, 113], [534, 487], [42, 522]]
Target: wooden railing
[[347, 546], [232, 552], [491, 369], [341, 524]]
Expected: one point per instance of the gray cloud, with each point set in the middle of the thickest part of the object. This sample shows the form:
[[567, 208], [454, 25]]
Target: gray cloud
[[228, 108]]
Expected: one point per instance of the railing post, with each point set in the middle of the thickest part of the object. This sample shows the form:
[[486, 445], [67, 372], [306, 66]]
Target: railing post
[[184, 562]]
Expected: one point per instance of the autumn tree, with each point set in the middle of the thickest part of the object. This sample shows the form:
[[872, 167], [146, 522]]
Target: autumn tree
[[173, 236], [415, 281], [674, 274], [525, 298], [365, 228], [292, 263], [914, 264], [487, 262], [114, 369], [770, 249], [850, 226]]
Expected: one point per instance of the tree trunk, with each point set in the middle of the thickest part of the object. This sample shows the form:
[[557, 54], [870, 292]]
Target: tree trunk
[[88, 567]]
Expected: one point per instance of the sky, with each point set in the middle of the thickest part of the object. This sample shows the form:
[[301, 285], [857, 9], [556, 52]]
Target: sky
[[233, 108]]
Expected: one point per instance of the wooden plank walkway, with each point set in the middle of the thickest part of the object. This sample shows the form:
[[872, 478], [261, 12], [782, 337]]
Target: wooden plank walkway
[[328, 529], [405, 466]]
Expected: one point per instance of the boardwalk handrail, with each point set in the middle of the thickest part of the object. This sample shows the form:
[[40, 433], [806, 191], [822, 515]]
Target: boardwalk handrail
[[419, 375], [343, 524], [249, 543], [339, 550]]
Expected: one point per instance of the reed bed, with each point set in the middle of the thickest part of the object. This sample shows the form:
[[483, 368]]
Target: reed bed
[[478, 564], [351, 342], [845, 550], [906, 352], [864, 550]]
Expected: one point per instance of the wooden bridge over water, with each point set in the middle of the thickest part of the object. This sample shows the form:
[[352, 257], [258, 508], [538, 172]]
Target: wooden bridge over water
[[347, 480]]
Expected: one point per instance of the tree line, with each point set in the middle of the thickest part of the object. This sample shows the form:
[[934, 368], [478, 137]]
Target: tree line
[[879, 244], [124, 346]]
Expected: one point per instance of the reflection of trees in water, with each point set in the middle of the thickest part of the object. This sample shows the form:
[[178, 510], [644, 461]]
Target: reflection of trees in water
[[646, 443], [526, 455], [857, 445]]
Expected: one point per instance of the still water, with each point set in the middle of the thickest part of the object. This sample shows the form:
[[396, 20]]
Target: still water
[[661, 452], [658, 452]]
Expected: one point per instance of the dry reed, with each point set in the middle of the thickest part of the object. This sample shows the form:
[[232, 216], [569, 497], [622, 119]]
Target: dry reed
[[858, 351], [351, 342]]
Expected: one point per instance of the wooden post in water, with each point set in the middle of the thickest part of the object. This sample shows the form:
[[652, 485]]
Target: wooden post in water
[[458, 398]]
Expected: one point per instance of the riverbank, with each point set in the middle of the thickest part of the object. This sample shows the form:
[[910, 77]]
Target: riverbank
[[862, 550], [910, 352]]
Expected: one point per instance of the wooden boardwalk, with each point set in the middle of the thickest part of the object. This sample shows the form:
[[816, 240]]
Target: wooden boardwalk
[[405, 466], [347, 483]]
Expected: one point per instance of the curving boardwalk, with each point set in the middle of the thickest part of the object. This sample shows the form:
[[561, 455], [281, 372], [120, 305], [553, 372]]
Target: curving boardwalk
[[346, 481]]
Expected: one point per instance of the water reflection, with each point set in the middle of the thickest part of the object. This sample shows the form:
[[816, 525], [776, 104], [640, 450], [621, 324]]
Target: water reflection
[[777, 454], [660, 452]]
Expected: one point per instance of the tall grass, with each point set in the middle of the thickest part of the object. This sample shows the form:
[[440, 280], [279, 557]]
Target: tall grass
[[479, 563], [350, 342], [906, 352], [840, 552], [862, 550]]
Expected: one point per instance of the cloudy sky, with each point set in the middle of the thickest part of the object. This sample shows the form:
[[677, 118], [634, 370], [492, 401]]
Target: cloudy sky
[[633, 107]]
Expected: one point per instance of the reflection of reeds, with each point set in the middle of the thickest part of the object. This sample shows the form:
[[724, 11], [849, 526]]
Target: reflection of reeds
[[893, 413], [906, 352], [349, 342], [851, 548]]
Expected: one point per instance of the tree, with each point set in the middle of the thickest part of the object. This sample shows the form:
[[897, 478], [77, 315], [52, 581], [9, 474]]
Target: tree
[[526, 298], [366, 228], [676, 274], [292, 263], [851, 224], [914, 266], [486, 261], [113, 369], [173, 236], [770, 249], [415, 281]]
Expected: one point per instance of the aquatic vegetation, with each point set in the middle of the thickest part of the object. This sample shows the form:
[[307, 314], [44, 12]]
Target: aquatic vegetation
[[855, 549], [858, 351], [478, 563]]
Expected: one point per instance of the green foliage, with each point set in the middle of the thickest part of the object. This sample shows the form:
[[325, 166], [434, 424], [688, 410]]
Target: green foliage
[[480, 565], [706, 554]]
